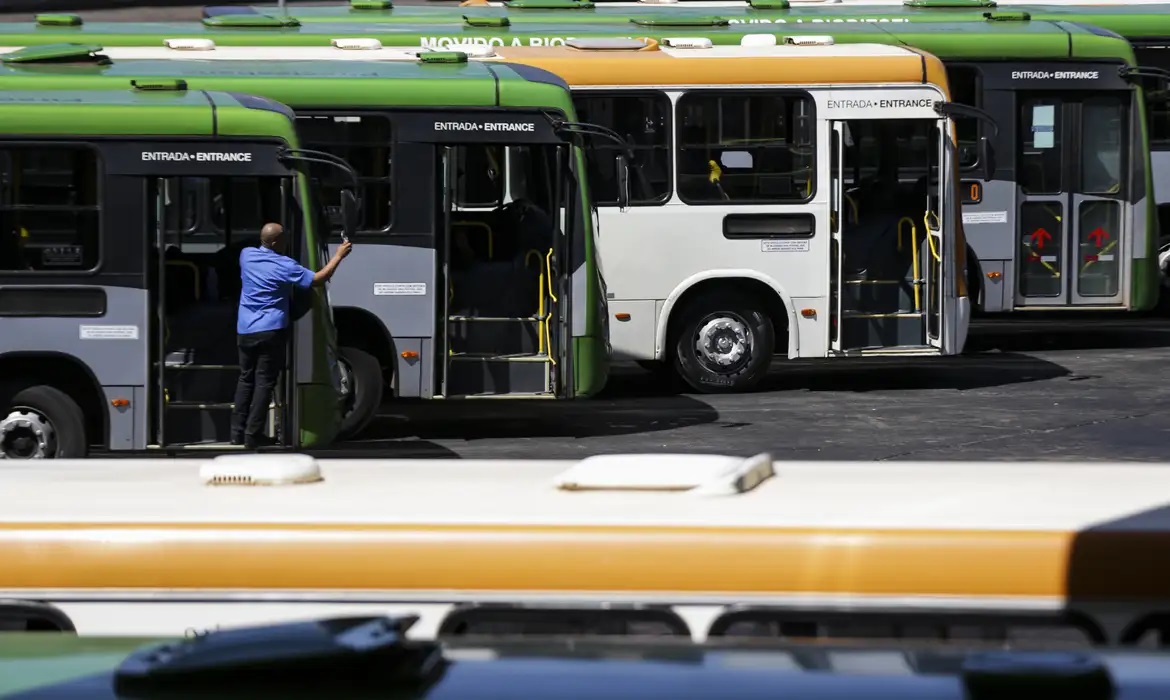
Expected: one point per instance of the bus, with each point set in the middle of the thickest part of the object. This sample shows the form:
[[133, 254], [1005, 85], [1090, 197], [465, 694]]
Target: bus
[[743, 231], [111, 337], [1019, 253], [689, 547], [503, 301]]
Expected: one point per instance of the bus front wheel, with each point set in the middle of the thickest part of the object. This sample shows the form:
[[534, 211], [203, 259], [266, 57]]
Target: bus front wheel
[[724, 342], [363, 378], [42, 422]]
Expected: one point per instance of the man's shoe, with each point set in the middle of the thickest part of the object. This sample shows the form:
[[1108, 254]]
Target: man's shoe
[[237, 440], [253, 442]]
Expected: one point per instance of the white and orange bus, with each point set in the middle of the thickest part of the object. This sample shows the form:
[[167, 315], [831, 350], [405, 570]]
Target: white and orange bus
[[697, 547]]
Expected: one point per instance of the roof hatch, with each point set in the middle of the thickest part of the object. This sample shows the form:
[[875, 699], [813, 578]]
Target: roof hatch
[[250, 22], [608, 44], [472, 50], [548, 5], [1007, 16], [681, 21], [59, 20], [443, 57], [770, 4], [486, 21], [700, 475], [942, 4], [56, 53], [254, 469], [371, 5]]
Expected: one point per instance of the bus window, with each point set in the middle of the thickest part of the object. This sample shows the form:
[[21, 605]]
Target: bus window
[[643, 119], [966, 89], [745, 147], [363, 141], [49, 214], [1157, 96], [479, 177]]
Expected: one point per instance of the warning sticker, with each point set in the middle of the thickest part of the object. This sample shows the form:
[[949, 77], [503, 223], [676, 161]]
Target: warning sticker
[[108, 332], [400, 289], [784, 246], [985, 217]]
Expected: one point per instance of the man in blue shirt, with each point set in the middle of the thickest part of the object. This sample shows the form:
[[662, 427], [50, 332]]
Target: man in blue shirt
[[268, 278]]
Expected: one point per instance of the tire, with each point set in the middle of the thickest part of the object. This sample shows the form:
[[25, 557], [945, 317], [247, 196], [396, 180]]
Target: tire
[[365, 379], [751, 328], [54, 413]]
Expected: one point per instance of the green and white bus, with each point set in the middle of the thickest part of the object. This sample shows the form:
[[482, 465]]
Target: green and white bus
[[1025, 254], [436, 301], [112, 338]]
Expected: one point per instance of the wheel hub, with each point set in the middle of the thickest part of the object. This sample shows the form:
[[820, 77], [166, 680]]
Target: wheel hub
[[723, 342], [26, 434]]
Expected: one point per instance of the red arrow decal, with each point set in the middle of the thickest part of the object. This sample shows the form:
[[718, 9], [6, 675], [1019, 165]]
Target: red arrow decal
[[1039, 237], [1098, 236]]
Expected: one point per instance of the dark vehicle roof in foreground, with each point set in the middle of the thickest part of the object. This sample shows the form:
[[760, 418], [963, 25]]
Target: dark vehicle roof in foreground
[[369, 657]]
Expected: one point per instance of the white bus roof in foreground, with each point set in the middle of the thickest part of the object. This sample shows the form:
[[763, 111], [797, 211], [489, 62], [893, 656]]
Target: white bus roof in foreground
[[717, 492]]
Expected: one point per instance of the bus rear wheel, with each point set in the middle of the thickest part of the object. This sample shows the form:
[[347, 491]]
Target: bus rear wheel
[[42, 422], [363, 379], [724, 343]]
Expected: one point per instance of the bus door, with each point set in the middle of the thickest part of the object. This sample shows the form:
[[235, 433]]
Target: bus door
[[888, 263], [503, 320], [1073, 185], [201, 224]]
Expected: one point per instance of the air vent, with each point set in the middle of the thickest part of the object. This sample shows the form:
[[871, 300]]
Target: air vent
[[357, 44], [250, 22], [687, 42], [486, 21], [62, 20], [472, 50], [695, 474], [548, 5], [189, 44], [770, 4], [260, 470], [56, 53], [608, 44], [758, 40], [809, 40], [953, 4], [371, 5], [443, 57]]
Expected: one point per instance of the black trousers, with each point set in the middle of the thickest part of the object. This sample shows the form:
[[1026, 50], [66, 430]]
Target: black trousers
[[262, 357]]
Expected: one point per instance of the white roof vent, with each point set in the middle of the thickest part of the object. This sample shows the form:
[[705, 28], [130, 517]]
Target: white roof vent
[[472, 50], [356, 44], [705, 475], [607, 44], [657, 2], [758, 40], [189, 44], [809, 40], [696, 42], [260, 470]]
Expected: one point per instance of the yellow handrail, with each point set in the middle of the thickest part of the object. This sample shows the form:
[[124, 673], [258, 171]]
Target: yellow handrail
[[553, 296], [1106, 249], [914, 253], [930, 238]]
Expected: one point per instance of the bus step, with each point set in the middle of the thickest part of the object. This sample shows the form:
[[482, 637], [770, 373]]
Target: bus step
[[862, 330], [520, 336], [490, 357], [497, 375], [877, 296], [202, 383], [492, 319], [200, 423]]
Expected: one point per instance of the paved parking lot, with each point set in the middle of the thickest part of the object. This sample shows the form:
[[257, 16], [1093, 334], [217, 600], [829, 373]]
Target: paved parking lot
[[1050, 392]]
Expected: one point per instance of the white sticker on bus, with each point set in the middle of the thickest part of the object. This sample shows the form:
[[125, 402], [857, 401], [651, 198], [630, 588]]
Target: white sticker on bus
[[400, 289], [109, 332], [784, 246], [985, 217]]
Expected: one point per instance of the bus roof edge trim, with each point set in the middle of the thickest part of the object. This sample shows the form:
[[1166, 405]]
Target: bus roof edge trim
[[699, 475]]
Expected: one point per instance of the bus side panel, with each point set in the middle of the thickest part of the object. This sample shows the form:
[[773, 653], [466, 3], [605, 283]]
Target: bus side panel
[[98, 319]]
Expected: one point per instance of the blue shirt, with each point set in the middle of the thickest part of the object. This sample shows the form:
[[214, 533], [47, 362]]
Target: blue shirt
[[267, 279]]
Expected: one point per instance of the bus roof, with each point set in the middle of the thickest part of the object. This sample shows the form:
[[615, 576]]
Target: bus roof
[[584, 62], [151, 113], [947, 40], [599, 524], [307, 83], [1130, 19]]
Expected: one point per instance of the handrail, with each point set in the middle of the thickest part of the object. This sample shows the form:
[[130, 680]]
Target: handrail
[[553, 296], [914, 254]]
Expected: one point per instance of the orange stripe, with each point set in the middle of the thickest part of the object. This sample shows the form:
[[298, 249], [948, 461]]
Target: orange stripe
[[660, 69], [613, 559]]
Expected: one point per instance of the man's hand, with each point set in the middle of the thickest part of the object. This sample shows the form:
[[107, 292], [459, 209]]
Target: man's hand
[[343, 250]]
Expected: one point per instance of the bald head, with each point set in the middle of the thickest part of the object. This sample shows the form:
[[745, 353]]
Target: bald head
[[270, 235]]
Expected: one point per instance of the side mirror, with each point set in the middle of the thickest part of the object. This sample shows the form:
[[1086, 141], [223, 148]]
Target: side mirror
[[623, 182], [350, 209], [987, 158]]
